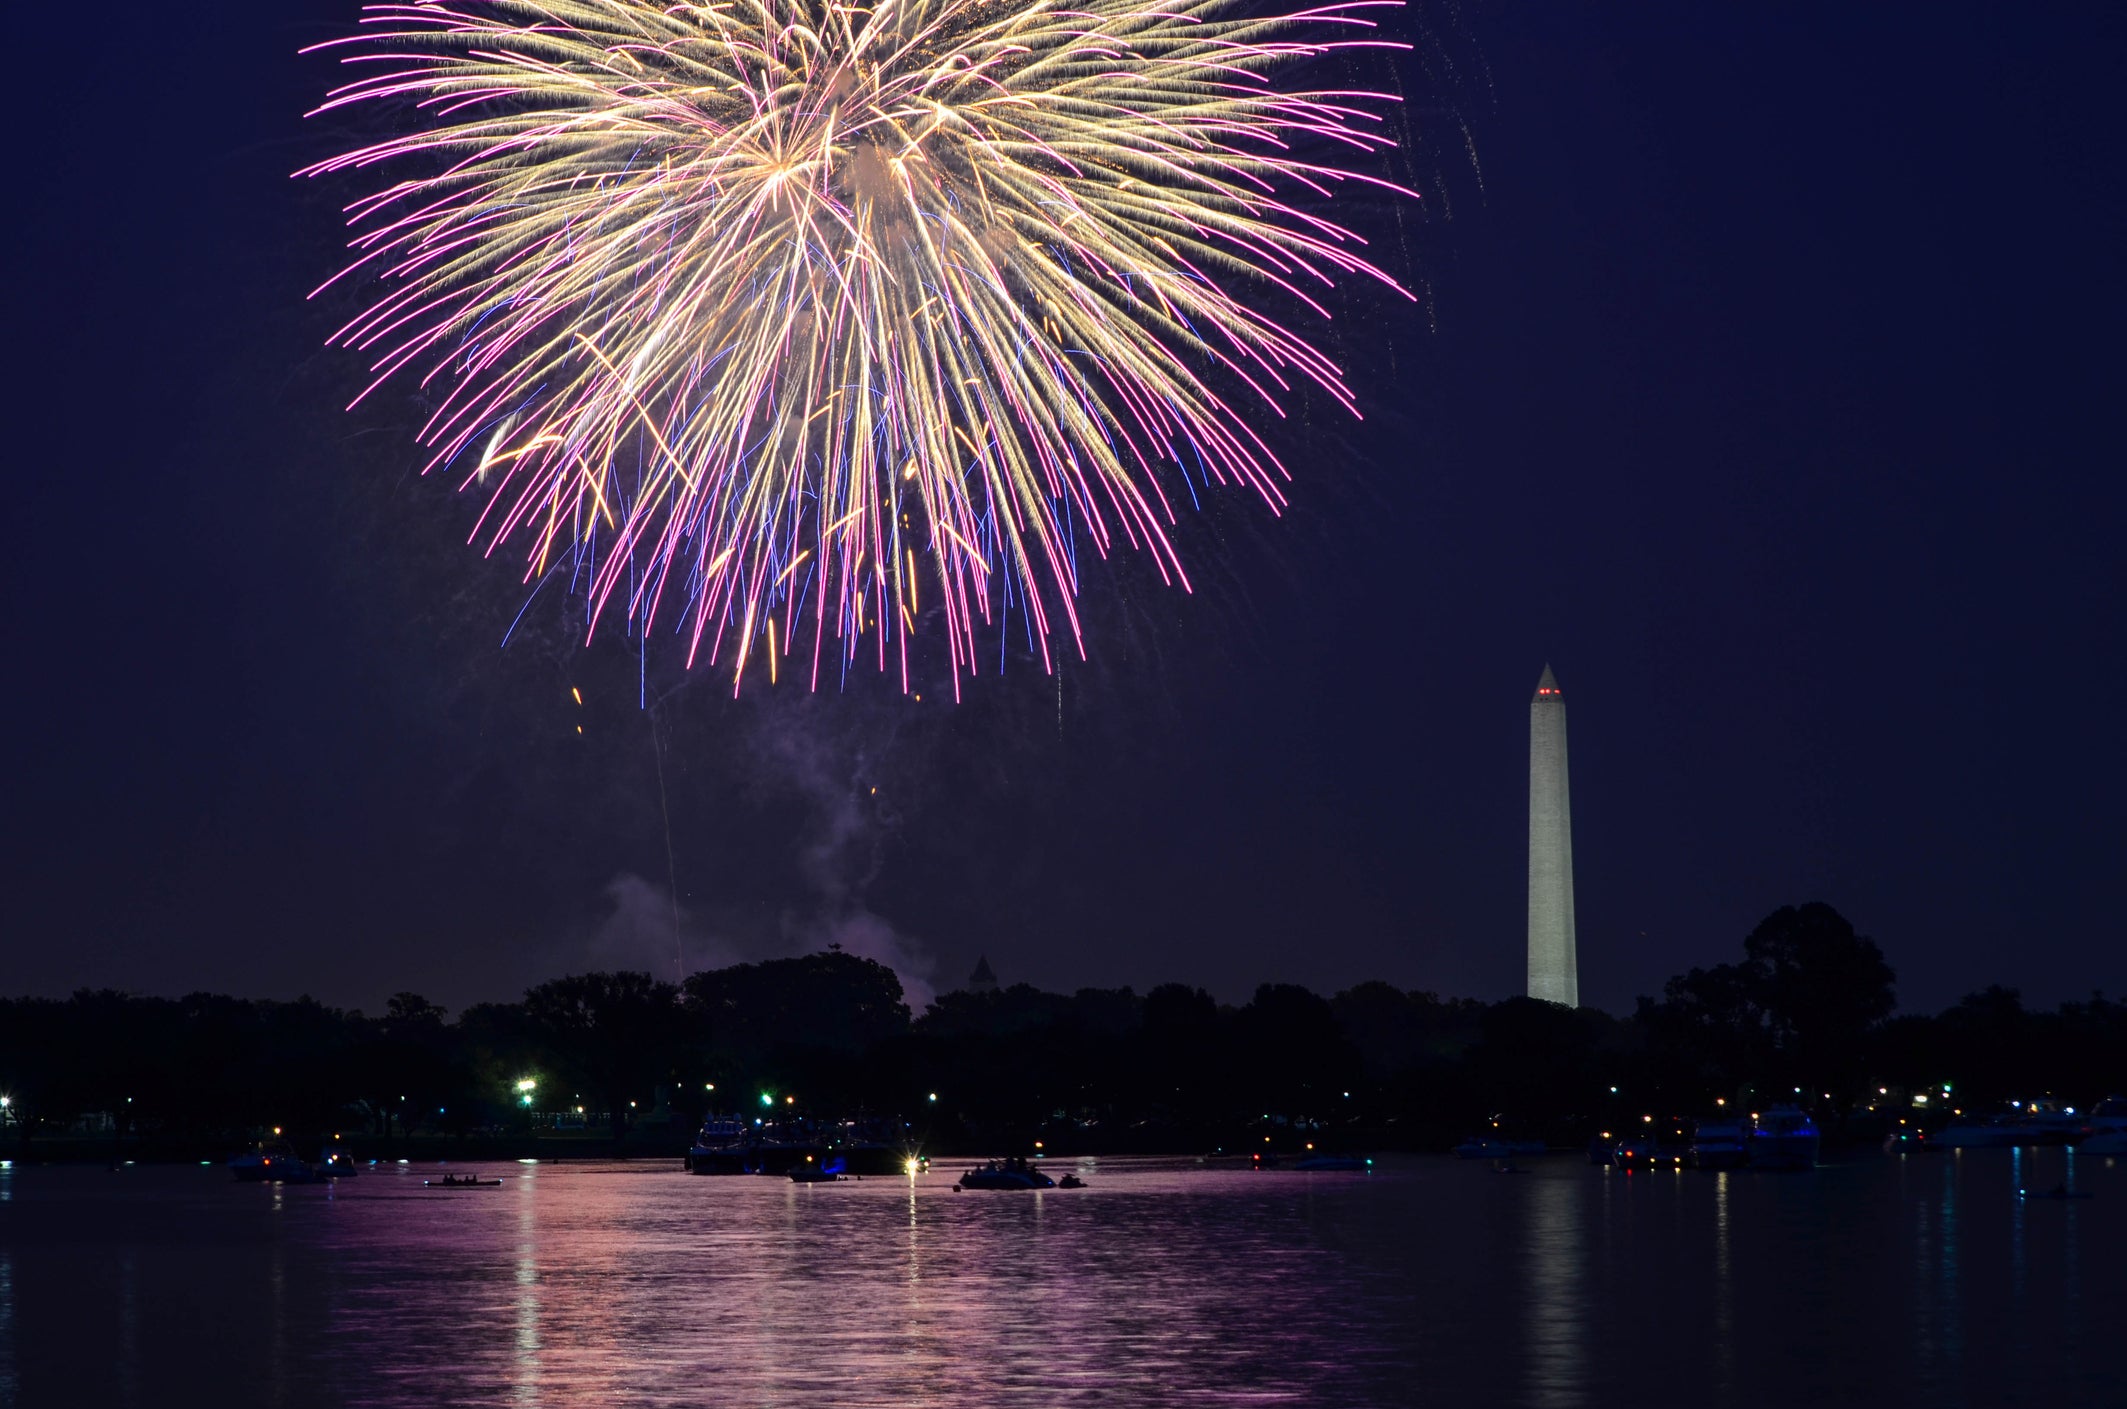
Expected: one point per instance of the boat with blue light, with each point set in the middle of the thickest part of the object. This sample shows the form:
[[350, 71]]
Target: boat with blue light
[[1783, 1138]]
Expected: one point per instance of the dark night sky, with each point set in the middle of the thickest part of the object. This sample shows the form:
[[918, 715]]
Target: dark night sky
[[1771, 394]]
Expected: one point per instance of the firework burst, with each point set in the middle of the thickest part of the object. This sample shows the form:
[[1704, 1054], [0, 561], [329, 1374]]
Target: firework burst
[[795, 324]]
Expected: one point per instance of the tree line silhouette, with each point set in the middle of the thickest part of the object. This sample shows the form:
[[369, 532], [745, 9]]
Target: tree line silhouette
[[1805, 1013]]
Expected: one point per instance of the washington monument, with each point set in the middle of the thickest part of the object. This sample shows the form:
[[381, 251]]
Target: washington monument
[[1554, 973]]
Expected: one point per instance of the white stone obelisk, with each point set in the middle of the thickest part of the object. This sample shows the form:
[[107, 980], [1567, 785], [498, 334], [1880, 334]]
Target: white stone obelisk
[[1554, 973]]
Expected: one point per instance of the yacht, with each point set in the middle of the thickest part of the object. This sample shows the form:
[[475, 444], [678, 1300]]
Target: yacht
[[875, 1146], [2048, 1123], [730, 1145], [2027, 1123], [1784, 1137], [1975, 1133]]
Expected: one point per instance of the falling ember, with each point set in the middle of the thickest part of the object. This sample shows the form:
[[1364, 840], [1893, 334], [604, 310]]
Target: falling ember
[[781, 308]]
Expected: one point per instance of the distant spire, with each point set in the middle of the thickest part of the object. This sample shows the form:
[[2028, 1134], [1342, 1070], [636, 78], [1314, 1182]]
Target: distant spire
[[1547, 687], [983, 980]]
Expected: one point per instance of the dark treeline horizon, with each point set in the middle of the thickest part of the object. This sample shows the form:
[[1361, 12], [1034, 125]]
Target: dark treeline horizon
[[1805, 1014]]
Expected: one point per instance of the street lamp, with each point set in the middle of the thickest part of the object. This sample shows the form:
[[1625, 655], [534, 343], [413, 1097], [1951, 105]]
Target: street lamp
[[525, 1087]]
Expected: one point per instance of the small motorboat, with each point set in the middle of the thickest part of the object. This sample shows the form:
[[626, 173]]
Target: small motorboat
[[470, 1181], [1005, 1174], [1352, 1164], [817, 1171], [1070, 1181]]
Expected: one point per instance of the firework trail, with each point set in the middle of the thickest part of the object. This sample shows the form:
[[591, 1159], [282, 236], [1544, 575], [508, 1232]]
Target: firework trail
[[789, 322]]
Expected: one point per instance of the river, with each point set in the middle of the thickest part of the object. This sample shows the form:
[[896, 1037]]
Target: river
[[1876, 1280]]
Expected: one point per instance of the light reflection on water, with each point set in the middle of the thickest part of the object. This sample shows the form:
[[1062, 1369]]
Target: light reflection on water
[[1557, 1310], [1878, 1281]]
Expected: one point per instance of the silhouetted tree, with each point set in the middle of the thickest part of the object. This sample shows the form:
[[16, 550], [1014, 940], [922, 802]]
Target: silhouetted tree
[[1708, 1036], [613, 1031], [829, 999], [1823, 989]]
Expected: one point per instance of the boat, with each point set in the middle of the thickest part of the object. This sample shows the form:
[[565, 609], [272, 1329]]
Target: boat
[[1905, 1140], [1976, 1133], [1602, 1150], [1355, 1164], [2047, 1123], [817, 1171], [1647, 1150], [1718, 1144], [1070, 1181], [728, 1145], [272, 1162], [338, 1164], [470, 1181], [1784, 1138], [2058, 1191], [871, 1146], [1005, 1174], [2106, 1130]]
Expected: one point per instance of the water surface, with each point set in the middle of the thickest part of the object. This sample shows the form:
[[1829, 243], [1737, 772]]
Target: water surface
[[1878, 1281]]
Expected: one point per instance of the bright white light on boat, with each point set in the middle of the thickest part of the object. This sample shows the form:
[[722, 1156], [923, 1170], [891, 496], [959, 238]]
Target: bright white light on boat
[[913, 1168]]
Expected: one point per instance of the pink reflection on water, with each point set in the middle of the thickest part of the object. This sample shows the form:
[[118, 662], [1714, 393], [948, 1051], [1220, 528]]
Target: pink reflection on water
[[594, 1284]]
